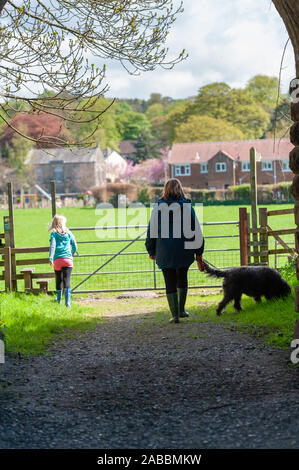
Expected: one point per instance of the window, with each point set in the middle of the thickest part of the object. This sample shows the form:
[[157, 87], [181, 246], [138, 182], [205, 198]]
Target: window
[[245, 166], [204, 168], [285, 165], [267, 166], [182, 170], [220, 167], [76, 173], [39, 175], [58, 174]]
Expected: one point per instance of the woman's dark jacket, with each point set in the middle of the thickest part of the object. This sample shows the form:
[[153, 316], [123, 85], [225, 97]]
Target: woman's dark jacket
[[170, 248]]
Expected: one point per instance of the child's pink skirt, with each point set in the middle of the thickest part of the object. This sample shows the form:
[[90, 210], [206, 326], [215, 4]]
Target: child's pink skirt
[[60, 263]]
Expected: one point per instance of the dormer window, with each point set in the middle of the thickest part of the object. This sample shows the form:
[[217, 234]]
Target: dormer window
[[39, 175], [182, 170], [285, 165], [59, 174], [204, 168], [220, 167], [268, 165], [245, 166]]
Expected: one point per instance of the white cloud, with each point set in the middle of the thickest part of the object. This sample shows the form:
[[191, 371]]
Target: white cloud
[[229, 41]]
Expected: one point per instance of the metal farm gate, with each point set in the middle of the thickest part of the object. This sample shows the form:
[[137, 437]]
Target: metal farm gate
[[122, 263], [114, 258]]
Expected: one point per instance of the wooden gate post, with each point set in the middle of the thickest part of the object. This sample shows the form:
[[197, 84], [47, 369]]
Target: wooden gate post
[[264, 245], [53, 198], [12, 234], [243, 234], [7, 255], [249, 238], [7, 269], [253, 199]]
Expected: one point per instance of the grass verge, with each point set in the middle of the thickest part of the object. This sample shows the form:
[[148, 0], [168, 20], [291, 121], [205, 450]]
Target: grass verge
[[31, 322]]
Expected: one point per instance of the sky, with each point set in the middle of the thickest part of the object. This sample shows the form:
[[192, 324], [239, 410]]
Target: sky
[[227, 40]]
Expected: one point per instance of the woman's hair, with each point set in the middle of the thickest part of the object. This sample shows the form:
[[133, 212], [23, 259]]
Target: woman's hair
[[173, 189], [58, 224]]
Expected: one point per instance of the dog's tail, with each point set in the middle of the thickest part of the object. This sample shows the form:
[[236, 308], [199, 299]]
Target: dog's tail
[[213, 272]]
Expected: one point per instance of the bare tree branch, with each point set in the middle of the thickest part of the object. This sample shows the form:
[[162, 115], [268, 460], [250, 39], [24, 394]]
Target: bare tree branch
[[48, 49]]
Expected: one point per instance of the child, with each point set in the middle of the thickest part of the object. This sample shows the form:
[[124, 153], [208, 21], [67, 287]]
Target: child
[[62, 248]]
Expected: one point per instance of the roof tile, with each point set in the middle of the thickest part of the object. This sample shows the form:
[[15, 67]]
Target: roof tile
[[269, 149]]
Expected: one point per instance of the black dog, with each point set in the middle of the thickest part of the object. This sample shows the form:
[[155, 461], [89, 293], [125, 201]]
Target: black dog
[[254, 281]]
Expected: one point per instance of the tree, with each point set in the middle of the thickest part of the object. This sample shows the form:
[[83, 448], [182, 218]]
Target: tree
[[154, 110], [212, 100], [131, 124], [157, 98], [237, 106], [17, 154], [177, 116], [159, 131], [137, 105], [264, 89], [36, 125], [145, 147], [245, 113], [47, 47], [289, 12], [106, 133], [280, 120], [152, 171], [206, 128]]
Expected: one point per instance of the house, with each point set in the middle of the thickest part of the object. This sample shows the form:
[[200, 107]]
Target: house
[[74, 170], [218, 165], [127, 149], [116, 167]]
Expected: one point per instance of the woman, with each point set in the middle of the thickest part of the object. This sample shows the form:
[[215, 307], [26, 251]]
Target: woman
[[173, 239]]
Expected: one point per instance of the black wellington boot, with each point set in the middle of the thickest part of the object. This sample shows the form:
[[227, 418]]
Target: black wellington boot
[[174, 306], [182, 293]]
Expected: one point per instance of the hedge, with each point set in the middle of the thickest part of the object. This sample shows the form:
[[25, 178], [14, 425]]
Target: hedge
[[233, 195], [111, 190]]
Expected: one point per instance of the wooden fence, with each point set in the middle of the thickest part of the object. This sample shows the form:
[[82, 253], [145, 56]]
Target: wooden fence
[[254, 247], [254, 241]]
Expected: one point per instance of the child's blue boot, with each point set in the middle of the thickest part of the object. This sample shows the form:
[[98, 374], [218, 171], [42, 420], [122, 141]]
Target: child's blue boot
[[58, 296], [67, 295]]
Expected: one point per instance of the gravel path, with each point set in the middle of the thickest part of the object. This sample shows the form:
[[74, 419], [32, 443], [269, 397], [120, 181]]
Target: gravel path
[[135, 384]]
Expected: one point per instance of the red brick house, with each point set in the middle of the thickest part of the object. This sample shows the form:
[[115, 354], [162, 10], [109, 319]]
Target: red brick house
[[218, 165]]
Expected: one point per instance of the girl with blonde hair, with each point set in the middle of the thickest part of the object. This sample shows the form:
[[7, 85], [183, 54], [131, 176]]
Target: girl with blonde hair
[[62, 248]]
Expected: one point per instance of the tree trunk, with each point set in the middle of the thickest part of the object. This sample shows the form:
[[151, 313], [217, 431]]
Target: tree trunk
[[2, 5], [289, 12]]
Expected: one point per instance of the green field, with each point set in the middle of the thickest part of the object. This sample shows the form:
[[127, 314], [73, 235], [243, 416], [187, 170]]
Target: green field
[[31, 230]]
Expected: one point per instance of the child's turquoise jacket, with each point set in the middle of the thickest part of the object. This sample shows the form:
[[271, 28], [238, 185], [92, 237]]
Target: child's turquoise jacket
[[62, 245]]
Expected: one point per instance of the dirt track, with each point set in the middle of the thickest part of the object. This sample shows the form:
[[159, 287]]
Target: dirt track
[[132, 383]]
